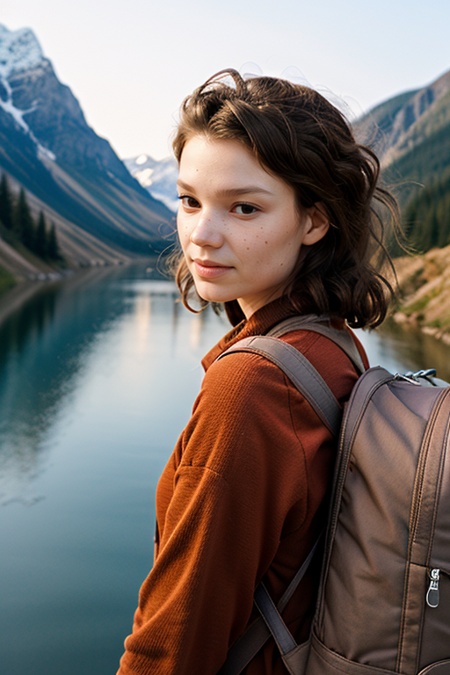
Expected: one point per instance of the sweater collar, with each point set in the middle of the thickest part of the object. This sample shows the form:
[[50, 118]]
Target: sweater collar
[[258, 324]]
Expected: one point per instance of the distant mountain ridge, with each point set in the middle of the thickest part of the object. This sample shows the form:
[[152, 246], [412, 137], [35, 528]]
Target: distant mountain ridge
[[102, 214], [401, 127], [158, 177], [411, 134]]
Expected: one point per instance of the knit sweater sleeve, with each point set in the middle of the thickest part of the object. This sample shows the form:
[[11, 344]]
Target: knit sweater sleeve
[[239, 470]]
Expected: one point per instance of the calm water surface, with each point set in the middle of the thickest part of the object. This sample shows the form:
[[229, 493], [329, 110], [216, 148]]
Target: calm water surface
[[98, 374]]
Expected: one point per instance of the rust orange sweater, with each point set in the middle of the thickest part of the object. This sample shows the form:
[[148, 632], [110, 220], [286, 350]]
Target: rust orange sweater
[[241, 498]]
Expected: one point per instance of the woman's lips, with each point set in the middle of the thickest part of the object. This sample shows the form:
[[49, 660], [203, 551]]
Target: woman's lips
[[207, 269]]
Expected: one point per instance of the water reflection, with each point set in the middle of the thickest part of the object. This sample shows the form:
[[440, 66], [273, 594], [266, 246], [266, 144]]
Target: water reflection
[[46, 334], [48, 331], [30, 319], [97, 379], [401, 348]]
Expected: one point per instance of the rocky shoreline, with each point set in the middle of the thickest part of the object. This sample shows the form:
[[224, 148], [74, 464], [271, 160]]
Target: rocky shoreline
[[424, 283]]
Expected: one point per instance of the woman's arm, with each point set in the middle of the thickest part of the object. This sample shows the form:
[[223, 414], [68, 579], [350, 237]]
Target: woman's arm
[[241, 469]]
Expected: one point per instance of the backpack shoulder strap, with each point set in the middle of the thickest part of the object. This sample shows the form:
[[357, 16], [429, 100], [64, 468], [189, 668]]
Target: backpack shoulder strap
[[269, 623], [313, 387], [321, 324], [300, 371]]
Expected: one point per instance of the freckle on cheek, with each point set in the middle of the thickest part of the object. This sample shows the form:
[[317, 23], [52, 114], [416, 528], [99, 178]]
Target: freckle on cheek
[[266, 242]]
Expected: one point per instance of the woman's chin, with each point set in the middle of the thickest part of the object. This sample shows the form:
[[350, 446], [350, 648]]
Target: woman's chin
[[220, 299], [213, 295]]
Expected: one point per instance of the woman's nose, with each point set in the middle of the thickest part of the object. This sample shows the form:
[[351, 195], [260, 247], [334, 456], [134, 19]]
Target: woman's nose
[[207, 232]]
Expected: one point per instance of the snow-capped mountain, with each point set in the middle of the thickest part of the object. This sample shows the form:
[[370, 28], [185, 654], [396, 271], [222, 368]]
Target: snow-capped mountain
[[70, 172], [47, 110], [158, 177], [19, 51]]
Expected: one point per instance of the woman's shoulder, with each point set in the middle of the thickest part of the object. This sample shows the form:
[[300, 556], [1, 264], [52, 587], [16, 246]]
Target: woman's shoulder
[[328, 359], [240, 375], [241, 412], [237, 374]]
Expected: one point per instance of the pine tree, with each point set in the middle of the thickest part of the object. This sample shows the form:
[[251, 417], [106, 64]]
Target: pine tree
[[40, 240], [53, 252], [427, 215], [23, 221], [6, 203]]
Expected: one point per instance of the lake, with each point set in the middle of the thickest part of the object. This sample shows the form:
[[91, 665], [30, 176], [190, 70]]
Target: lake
[[98, 374]]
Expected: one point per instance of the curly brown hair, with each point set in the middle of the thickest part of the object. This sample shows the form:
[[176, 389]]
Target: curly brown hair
[[299, 136]]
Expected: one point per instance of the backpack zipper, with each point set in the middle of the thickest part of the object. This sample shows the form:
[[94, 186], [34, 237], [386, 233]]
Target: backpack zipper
[[344, 453], [418, 484], [432, 596], [344, 449]]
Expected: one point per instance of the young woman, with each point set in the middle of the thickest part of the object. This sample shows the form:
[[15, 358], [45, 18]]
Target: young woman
[[276, 219]]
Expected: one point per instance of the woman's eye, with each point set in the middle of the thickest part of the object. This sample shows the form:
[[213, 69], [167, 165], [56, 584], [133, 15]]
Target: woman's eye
[[189, 202], [245, 209]]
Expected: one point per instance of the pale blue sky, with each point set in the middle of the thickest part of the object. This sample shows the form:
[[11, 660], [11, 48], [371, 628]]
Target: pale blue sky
[[131, 62]]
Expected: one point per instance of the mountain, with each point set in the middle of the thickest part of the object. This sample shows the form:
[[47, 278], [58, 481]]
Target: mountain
[[411, 135], [398, 127], [158, 177], [101, 212]]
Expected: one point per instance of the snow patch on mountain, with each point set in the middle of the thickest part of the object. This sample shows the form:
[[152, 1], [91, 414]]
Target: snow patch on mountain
[[158, 177], [8, 106], [19, 50]]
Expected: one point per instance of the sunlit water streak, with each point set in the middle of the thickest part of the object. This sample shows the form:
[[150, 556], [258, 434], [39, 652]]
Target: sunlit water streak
[[98, 375]]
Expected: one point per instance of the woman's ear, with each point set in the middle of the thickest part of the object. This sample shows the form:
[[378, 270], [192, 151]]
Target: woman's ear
[[317, 224]]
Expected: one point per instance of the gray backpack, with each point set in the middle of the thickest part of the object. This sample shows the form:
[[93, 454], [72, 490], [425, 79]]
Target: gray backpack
[[383, 603]]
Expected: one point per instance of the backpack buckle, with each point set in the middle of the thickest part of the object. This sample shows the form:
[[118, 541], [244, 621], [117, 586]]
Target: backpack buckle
[[407, 377], [414, 378], [431, 372]]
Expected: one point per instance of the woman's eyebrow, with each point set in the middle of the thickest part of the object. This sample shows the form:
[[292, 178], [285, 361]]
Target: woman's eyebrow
[[230, 192]]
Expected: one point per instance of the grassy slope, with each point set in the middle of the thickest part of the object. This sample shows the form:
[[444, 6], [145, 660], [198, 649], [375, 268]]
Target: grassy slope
[[425, 292]]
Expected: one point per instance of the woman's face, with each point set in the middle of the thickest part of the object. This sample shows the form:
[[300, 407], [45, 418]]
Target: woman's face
[[239, 226]]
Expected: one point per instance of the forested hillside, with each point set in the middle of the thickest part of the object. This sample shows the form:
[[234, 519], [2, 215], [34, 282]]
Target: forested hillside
[[427, 213], [411, 134], [32, 240]]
